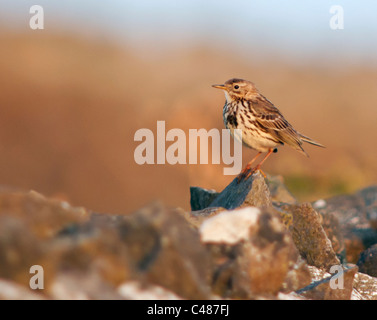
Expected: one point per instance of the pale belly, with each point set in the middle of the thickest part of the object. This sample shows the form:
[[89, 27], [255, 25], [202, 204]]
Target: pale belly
[[252, 139]]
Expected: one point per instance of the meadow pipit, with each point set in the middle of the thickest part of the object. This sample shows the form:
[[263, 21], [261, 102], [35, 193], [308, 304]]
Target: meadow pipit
[[262, 125]]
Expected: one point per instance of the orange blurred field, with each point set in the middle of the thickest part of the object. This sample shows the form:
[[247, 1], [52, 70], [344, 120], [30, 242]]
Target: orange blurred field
[[69, 108]]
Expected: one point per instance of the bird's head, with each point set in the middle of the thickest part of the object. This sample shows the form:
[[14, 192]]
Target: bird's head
[[237, 89]]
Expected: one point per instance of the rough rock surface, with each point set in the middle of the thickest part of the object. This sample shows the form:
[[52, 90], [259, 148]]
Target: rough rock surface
[[201, 198], [250, 192], [310, 237], [139, 247], [356, 214], [251, 251], [278, 190], [367, 262], [364, 287], [253, 240], [330, 287], [325, 234]]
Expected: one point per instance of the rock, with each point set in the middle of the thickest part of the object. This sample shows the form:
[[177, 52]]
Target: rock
[[290, 296], [196, 218], [333, 229], [310, 237], [331, 287], [42, 216], [364, 287], [269, 247], [154, 245], [230, 227], [134, 290], [371, 212], [77, 286], [354, 246], [255, 191], [250, 192], [368, 195], [201, 198], [367, 262], [334, 233], [357, 240], [348, 209], [318, 274], [251, 252], [10, 290], [355, 214], [87, 255], [19, 250], [93, 250], [278, 190], [166, 251], [298, 276]]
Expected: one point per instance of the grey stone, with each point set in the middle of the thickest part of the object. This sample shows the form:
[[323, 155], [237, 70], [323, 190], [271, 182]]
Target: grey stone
[[367, 262], [250, 192], [201, 198]]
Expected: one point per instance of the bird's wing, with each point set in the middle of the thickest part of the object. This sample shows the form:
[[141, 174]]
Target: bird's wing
[[272, 121]]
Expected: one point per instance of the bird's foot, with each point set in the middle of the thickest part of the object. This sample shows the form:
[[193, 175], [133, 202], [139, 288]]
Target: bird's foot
[[247, 172], [243, 174], [263, 174]]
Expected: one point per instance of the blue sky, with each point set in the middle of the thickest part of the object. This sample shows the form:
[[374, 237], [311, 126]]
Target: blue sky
[[294, 28]]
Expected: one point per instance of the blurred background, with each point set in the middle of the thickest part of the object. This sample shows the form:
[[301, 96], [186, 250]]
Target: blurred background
[[73, 94]]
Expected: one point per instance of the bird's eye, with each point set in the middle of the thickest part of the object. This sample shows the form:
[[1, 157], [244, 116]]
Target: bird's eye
[[236, 87]]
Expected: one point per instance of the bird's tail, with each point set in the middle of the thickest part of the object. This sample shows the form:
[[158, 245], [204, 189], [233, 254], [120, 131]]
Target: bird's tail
[[311, 141]]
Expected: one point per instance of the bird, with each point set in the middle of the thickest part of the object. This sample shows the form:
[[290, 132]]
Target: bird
[[262, 125]]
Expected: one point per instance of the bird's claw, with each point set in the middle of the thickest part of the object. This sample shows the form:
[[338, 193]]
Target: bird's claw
[[247, 172]]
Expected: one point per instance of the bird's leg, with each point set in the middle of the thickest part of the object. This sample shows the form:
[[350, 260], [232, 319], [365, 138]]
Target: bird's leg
[[245, 171], [264, 159], [257, 167]]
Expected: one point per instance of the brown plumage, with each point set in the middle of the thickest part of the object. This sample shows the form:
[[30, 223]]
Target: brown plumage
[[263, 126]]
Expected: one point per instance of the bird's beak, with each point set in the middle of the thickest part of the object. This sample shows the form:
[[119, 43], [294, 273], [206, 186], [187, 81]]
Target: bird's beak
[[219, 86]]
